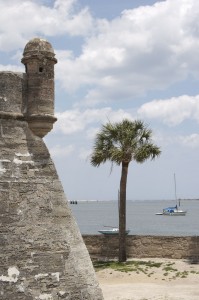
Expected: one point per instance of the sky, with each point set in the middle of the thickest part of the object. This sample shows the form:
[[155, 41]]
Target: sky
[[135, 59]]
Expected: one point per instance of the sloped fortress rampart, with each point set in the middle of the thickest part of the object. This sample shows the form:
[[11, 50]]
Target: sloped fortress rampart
[[42, 254]]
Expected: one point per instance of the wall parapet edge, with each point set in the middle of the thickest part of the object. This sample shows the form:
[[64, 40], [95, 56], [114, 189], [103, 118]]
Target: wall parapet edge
[[139, 246]]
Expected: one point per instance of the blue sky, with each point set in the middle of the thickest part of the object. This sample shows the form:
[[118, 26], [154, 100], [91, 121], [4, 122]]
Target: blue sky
[[116, 59]]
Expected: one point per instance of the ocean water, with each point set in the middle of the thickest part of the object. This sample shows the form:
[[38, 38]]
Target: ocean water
[[92, 216]]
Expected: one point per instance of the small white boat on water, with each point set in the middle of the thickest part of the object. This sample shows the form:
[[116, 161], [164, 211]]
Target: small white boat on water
[[172, 211], [111, 231]]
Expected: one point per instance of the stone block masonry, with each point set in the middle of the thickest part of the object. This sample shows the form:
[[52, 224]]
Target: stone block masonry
[[42, 253], [139, 246]]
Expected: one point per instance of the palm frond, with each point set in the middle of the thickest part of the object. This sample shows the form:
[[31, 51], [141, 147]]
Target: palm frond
[[122, 142], [147, 151]]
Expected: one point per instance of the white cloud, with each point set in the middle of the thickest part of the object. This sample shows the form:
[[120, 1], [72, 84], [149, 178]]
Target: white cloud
[[166, 140], [172, 111], [73, 121], [84, 154], [144, 49], [191, 141], [12, 68], [91, 132], [23, 19], [61, 151]]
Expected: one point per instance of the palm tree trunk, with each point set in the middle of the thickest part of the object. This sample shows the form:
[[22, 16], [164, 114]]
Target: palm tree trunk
[[122, 213]]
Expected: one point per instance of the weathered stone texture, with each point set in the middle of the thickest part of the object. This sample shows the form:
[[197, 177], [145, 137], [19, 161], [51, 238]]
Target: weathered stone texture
[[106, 247], [12, 91], [42, 254]]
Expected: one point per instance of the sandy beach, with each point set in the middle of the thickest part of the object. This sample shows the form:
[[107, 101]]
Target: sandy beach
[[173, 280]]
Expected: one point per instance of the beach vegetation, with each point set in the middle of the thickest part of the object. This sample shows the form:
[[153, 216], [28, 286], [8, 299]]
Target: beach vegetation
[[182, 274], [169, 269], [129, 266], [149, 268], [120, 143], [194, 272]]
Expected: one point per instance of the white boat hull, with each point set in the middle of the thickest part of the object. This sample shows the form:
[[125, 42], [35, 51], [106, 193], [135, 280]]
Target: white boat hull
[[113, 231], [175, 213], [172, 211]]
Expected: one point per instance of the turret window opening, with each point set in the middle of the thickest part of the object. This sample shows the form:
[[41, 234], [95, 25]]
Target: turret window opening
[[41, 69]]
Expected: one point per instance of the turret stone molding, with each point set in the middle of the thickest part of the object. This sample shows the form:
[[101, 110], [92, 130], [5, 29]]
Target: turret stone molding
[[42, 253]]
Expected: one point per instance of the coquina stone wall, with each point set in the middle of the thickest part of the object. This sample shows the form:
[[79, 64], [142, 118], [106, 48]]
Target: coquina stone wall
[[106, 247], [42, 253]]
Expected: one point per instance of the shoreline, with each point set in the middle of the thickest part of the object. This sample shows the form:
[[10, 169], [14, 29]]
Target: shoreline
[[175, 279]]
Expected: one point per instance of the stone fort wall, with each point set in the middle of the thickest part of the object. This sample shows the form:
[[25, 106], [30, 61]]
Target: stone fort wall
[[106, 247], [42, 253]]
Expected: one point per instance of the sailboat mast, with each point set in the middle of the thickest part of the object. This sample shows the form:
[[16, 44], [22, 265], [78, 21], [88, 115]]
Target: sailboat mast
[[175, 189]]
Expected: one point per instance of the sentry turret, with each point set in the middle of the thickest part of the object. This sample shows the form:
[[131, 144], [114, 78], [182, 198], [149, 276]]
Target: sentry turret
[[39, 60]]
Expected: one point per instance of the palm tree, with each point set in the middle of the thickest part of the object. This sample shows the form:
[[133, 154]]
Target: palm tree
[[121, 143]]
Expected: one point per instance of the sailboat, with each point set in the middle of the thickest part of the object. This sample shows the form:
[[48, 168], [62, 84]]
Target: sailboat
[[173, 210], [113, 230]]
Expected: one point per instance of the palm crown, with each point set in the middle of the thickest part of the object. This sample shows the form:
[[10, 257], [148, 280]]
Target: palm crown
[[124, 142]]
